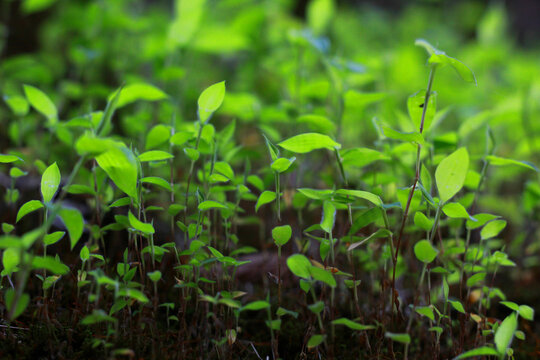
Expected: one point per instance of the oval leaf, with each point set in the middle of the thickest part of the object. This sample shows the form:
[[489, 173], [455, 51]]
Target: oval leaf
[[305, 143], [451, 172], [28, 207], [50, 180]]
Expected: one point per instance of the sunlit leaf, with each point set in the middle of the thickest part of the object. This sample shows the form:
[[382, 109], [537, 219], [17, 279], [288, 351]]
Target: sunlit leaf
[[49, 263], [256, 305], [425, 252], [299, 265], [137, 92], [505, 333], [305, 143], [265, 198], [74, 222], [41, 102], [281, 234], [481, 351], [210, 100], [121, 166], [155, 155], [492, 229], [499, 161], [50, 180], [139, 225], [210, 204], [451, 172], [28, 207]]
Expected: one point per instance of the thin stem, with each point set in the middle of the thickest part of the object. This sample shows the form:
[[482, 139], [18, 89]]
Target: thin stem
[[191, 172], [413, 188]]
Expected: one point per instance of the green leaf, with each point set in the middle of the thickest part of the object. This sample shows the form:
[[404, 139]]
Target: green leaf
[[158, 135], [188, 15], [74, 222], [10, 259], [456, 211], [352, 325], [53, 238], [224, 169], [139, 225], [265, 198], [499, 161], [463, 70], [6, 159], [380, 233], [192, 154], [20, 306], [84, 253], [155, 276], [315, 340], [414, 137], [50, 180], [329, 217], [426, 311], [319, 15], [422, 221], [481, 220], [451, 172], [281, 234], [426, 45], [121, 202], [305, 143], [256, 305], [526, 312], [316, 194], [415, 105], [181, 137], [372, 198], [511, 305], [134, 294], [15, 172], [323, 275], [425, 252], [210, 100], [402, 338], [360, 157], [282, 164], [49, 263], [121, 166], [299, 265], [438, 57], [17, 104], [90, 144], [210, 204], [97, 317], [317, 123], [157, 181], [282, 311], [41, 102], [481, 351], [505, 333], [155, 155], [475, 279], [457, 306], [7, 228], [137, 92], [492, 229], [28, 207]]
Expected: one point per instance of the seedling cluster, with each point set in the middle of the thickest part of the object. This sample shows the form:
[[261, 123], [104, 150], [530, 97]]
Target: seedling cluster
[[222, 221]]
